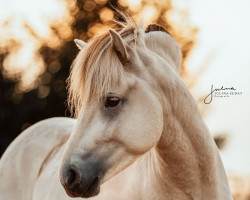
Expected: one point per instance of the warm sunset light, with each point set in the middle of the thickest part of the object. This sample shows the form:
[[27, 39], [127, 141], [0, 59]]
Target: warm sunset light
[[25, 26], [33, 23], [37, 50]]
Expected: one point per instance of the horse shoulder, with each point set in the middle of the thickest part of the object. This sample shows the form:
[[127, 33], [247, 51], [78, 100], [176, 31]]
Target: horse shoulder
[[22, 162]]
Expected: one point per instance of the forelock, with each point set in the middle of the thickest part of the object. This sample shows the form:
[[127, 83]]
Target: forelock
[[97, 68]]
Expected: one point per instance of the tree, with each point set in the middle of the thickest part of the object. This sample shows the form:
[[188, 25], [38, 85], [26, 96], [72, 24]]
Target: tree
[[48, 97]]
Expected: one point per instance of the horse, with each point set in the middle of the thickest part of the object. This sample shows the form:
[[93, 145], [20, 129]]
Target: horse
[[138, 133]]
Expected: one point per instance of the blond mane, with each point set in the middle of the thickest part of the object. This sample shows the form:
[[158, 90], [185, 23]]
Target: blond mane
[[98, 67]]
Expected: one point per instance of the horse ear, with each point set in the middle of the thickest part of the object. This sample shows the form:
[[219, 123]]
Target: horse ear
[[79, 43], [119, 44]]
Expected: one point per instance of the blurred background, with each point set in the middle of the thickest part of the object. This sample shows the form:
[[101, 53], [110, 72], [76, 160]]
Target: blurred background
[[37, 49]]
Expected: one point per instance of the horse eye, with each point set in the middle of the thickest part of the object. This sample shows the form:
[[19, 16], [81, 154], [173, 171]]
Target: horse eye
[[112, 102]]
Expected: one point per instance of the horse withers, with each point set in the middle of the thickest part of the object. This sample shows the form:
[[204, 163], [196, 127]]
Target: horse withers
[[138, 133]]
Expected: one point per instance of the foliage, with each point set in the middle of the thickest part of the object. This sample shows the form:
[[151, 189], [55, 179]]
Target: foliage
[[20, 109]]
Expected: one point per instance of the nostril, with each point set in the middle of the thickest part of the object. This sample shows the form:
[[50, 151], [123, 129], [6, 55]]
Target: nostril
[[71, 178], [79, 182]]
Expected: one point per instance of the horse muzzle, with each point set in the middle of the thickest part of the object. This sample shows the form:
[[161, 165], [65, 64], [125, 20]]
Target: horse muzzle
[[81, 179]]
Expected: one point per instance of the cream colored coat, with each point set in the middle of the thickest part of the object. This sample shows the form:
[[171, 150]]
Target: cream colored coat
[[179, 161]]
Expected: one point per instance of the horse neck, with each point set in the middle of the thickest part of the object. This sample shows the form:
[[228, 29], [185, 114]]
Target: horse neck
[[185, 157]]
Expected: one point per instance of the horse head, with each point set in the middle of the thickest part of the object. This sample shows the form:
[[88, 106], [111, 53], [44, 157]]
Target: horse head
[[114, 88]]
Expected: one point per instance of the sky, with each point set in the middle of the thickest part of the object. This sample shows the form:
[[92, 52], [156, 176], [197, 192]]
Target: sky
[[224, 46]]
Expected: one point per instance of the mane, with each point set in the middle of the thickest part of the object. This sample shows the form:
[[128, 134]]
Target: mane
[[97, 67], [156, 27]]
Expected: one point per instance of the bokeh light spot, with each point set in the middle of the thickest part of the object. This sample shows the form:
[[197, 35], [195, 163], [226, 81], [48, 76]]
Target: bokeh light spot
[[101, 2], [54, 67], [106, 14], [46, 78], [43, 91], [89, 6]]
